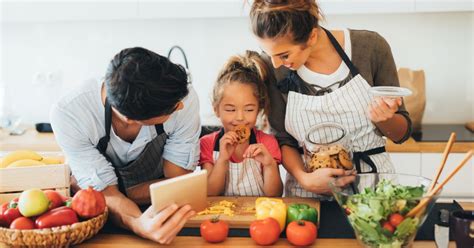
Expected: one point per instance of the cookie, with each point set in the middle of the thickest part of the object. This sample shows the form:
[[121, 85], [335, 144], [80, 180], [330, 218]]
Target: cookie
[[344, 160], [318, 161], [334, 150], [243, 133], [334, 162]]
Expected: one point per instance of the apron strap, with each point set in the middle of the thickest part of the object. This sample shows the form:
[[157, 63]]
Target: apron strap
[[364, 156], [104, 141], [252, 139], [340, 51]]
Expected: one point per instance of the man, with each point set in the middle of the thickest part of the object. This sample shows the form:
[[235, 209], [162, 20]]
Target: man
[[138, 127]]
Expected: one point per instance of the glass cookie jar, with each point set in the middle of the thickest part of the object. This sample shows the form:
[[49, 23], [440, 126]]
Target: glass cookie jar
[[327, 145]]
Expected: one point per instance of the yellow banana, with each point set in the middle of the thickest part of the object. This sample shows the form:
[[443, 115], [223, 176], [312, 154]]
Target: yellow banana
[[19, 155], [25, 163], [52, 160]]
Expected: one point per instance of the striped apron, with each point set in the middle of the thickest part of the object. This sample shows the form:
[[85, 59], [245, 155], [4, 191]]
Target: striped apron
[[346, 106], [244, 178], [149, 164]]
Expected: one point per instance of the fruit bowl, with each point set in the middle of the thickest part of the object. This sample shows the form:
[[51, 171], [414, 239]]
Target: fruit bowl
[[376, 206], [62, 236]]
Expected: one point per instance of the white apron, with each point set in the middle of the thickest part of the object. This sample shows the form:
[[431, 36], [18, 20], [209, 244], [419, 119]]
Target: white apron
[[244, 178], [347, 106]]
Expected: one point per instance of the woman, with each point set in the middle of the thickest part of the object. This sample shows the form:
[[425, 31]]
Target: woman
[[326, 76]]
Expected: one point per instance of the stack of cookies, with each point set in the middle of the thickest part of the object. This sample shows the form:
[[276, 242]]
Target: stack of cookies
[[335, 156]]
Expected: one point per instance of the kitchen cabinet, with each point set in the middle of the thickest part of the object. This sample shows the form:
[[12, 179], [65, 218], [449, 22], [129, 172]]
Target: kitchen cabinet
[[148, 9], [407, 163], [443, 5], [461, 185], [73, 10]]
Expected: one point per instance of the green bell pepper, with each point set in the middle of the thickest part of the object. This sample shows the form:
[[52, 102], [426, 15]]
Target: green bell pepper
[[302, 211]]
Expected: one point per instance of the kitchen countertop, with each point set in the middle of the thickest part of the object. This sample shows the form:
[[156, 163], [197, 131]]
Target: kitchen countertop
[[45, 142], [111, 240]]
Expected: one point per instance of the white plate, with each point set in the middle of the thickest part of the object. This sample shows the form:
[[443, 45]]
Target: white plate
[[390, 91]]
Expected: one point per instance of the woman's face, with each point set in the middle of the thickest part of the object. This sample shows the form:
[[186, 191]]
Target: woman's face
[[238, 106], [284, 52]]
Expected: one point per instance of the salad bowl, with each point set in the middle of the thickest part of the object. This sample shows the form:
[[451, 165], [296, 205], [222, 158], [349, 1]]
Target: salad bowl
[[377, 207]]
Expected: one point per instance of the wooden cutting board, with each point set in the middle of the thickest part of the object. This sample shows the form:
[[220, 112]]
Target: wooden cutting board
[[244, 210]]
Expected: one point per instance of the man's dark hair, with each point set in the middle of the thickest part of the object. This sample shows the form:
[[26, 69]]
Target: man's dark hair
[[141, 84]]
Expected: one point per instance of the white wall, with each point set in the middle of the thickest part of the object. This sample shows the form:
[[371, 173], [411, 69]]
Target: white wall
[[41, 61]]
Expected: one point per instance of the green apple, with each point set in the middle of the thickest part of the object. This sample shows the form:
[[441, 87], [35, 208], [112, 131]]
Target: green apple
[[33, 202]]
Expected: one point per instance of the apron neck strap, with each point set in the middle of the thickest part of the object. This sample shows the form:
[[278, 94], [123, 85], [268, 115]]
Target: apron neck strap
[[252, 139], [341, 53], [103, 142]]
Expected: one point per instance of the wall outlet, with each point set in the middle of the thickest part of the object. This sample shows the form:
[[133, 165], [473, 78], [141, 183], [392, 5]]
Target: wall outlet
[[49, 79]]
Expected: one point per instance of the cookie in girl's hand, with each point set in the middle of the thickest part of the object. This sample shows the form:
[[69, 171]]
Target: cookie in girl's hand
[[243, 133]]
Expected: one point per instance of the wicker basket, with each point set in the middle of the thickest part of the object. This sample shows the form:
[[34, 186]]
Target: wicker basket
[[63, 236]]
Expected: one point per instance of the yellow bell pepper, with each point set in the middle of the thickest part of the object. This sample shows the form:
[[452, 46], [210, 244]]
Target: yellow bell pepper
[[271, 207]]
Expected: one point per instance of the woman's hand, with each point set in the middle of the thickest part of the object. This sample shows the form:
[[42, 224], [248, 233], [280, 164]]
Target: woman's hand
[[162, 227], [383, 108], [227, 145], [318, 180], [260, 153]]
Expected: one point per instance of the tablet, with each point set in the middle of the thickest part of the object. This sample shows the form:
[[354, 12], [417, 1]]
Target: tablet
[[187, 189]]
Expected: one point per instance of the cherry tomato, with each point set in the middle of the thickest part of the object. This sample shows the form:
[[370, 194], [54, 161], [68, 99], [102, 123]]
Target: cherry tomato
[[301, 232], [387, 226], [22, 223], [57, 217], [265, 231], [56, 199], [214, 230], [396, 219], [11, 214]]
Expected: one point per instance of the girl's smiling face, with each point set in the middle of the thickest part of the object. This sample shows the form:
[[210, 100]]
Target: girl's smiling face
[[238, 106]]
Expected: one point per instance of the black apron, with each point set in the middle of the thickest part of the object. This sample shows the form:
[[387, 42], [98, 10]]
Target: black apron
[[149, 164]]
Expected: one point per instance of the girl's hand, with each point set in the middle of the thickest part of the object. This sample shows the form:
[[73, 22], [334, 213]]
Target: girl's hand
[[260, 153], [383, 108], [227, 145]]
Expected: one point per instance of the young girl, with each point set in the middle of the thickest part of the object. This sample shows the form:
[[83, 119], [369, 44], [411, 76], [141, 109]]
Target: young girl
[[239, 167]]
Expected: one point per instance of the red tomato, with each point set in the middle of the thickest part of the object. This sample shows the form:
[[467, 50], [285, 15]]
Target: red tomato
[[386, 225], [3, 221], [56, 199], [301, 232], [396, 219], [22, 223], [265, 231], [11, 214], [57, 217], [4, 207], [214, 230]]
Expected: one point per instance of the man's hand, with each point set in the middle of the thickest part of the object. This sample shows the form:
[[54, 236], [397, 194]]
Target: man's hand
[[162, 227]]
